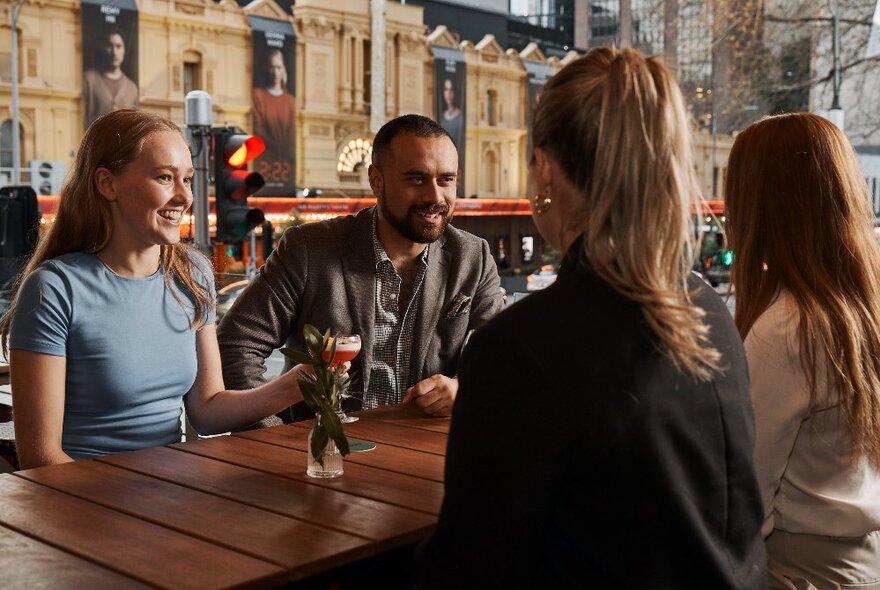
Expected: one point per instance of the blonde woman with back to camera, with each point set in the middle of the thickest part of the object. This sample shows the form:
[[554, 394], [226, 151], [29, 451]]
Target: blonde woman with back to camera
[[603, 433], [807, 280]]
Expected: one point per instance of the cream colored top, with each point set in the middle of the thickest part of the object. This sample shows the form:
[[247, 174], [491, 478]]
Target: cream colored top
[[802, 452]]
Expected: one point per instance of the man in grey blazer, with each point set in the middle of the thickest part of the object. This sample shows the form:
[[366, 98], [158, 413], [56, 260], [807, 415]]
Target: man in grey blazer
[[397, 274]]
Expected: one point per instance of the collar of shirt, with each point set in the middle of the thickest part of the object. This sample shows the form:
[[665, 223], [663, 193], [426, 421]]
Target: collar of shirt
[[379, 251]]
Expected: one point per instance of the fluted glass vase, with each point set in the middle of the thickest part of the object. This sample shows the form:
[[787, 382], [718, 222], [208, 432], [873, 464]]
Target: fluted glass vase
[[328, 463]]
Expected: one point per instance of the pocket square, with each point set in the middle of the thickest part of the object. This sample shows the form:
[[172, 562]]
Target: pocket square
[[461, 304]]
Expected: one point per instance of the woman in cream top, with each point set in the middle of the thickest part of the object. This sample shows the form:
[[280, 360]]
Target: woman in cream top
[[807, 281], [804, 449]]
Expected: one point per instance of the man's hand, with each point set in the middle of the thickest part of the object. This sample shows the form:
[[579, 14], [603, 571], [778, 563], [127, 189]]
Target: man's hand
[[434, 395]]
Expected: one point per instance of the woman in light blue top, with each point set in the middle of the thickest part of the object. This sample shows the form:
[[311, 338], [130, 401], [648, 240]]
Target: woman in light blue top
[[112, 321]]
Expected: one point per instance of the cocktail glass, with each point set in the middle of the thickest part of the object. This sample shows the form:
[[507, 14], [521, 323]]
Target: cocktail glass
[[347, 348]]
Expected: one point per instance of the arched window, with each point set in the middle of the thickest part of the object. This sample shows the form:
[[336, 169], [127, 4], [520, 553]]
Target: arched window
[[355, 156]]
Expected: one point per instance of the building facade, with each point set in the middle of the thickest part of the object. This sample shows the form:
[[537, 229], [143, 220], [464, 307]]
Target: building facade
[[183, 45]]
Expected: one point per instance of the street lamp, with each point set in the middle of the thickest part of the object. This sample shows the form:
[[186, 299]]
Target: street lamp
[[199, 118], [16, 137], [835, 113]]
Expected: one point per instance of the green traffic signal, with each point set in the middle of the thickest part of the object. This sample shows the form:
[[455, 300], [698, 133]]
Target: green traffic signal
[[727, 257]]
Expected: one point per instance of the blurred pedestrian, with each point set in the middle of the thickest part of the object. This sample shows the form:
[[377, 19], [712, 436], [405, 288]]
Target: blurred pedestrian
[[111, 326], [807, 282], [603, 433]]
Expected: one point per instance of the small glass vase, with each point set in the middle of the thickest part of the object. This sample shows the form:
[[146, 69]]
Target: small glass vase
[[331, 457]]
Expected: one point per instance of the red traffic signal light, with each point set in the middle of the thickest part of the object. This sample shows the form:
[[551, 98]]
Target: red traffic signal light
[[239, 150], [233, 184]]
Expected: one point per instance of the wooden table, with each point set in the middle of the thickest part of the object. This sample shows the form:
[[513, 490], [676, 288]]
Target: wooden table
[[226, 512]]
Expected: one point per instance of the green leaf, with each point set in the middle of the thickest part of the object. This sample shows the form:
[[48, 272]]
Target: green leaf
[[330, 421], [329, 384], [314, 340], [320, 438], [321, 390], [310, 396], [311, 331], [297, 356], [314, 348], [342, 444]]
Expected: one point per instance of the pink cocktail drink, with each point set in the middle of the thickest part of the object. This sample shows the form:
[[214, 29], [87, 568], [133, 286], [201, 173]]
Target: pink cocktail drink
[[347, 347], [343, 354], [345, 350]]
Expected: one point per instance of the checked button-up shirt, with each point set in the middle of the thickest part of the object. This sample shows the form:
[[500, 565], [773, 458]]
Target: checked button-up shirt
[[392, 331]]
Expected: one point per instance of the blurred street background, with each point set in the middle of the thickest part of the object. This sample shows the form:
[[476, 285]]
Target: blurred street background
[[344, 68]]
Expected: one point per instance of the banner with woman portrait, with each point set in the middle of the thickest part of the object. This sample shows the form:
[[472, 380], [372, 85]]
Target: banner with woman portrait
[[274, 103], [110, 57], [450, 84]]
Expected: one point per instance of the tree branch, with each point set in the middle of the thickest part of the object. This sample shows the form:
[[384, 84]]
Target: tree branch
[[814, 19]]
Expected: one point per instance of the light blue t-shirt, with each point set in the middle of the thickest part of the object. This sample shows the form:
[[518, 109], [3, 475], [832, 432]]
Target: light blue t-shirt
[[131, 354]]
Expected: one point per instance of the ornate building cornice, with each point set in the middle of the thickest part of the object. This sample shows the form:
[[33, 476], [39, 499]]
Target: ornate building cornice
[[317, 27]]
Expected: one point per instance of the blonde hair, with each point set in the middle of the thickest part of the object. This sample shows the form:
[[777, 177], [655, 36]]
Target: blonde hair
[[799, 220], [615, 123], [84, 222]]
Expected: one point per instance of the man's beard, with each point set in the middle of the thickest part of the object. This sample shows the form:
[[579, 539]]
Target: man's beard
[[412, 226]]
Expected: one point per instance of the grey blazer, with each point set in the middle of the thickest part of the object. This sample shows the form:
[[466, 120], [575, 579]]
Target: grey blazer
[[324, 274]]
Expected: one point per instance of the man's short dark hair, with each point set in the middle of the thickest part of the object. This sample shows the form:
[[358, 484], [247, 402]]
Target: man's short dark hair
[[417, 125]]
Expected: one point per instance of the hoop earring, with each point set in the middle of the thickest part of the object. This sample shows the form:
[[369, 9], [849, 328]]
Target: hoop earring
[[541, 203]]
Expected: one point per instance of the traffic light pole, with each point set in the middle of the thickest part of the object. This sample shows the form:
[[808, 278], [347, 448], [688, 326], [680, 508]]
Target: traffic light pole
[[16, 124], [199, 118], [251, 267], [233, 183]]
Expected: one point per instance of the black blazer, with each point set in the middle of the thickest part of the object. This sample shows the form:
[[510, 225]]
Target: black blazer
[[581, 457]]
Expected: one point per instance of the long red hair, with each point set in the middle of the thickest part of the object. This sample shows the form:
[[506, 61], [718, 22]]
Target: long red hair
[[799, 220]]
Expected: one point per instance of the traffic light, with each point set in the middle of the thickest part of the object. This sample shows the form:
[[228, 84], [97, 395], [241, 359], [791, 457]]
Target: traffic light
[[233, 183], [727, 257]]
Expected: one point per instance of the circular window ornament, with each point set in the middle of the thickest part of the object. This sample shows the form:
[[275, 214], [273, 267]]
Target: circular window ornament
[[355, 156]]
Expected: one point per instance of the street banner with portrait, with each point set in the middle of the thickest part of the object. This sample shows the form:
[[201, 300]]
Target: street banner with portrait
[[110, 57], [537, 74], [274, 103], [450, 84]]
